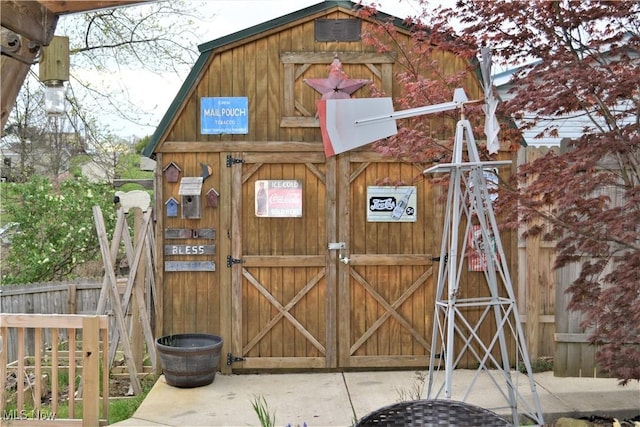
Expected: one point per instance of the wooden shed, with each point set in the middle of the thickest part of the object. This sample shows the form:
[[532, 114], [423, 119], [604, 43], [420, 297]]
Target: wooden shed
[[291, 265]]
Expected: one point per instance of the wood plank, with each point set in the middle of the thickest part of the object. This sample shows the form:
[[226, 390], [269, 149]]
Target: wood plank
[[190, 233], [72, 373], [20, 379], [54, 369], [345, 57], [134, 256], [38, 369], [299, 122], [237, 325], [189, 266], [29, 19], [226, 295], [115, 299], [397, 361], [64, 321], [390, 259], [283, 363], [571, 338], [189, 249], [244, 146], [4, 349], [158, 273], [330, 316], [283, 261], [277, 158], [90, 371], [341, 200]]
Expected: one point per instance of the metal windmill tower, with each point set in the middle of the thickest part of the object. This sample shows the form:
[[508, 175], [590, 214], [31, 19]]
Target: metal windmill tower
[[457, 322], [457, 319]]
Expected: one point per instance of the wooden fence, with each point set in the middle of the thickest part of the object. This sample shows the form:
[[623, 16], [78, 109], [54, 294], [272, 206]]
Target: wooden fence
[[75, 297], [43, 369], [556, 333]]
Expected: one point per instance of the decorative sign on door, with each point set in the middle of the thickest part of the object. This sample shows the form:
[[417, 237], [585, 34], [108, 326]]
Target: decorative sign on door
[[391, 204], [278, 198], [224, 115]]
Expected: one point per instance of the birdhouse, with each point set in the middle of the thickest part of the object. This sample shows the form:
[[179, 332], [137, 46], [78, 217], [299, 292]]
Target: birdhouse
[[171, 172], [190, 189], [212, 198], [171, 206]]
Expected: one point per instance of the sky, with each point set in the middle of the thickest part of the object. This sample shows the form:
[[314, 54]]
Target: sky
[[228, 17]]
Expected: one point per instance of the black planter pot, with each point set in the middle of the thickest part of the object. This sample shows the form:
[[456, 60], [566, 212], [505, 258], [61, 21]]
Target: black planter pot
[[189, 360]]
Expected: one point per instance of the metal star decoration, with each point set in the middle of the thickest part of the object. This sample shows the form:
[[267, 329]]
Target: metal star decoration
[[337, 85]]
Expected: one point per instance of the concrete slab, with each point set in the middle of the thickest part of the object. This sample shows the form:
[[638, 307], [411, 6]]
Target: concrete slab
[[317, 399], [338, 399], [581, 396], [372, 390]]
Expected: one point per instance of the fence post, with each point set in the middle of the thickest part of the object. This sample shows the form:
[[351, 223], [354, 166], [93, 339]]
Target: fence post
[[71, 298], [3, 365], [91, 370]]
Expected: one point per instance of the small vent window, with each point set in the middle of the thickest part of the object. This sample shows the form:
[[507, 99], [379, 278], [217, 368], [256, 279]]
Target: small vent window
[[337, 30]]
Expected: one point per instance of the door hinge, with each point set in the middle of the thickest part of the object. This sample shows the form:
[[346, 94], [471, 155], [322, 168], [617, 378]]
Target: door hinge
[[233, 161], [231, 261], [232, 359]]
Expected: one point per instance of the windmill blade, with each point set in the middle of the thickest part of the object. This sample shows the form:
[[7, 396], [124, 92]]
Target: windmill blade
[[491, 125], [337, 123]]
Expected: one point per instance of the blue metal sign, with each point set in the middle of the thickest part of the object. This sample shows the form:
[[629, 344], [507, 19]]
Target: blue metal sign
[[224, 115]]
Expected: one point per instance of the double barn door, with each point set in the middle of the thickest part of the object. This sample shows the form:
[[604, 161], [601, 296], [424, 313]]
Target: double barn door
[[297, 304]]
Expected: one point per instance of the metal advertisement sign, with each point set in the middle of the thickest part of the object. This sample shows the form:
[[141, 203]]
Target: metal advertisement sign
[[391, 204], [224, 115], [278, 198]]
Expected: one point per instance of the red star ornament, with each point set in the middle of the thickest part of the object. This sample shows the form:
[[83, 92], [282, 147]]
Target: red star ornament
[[337, 85]]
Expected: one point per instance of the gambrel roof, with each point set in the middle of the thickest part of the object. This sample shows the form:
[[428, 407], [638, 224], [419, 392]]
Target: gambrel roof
[[257, 31]]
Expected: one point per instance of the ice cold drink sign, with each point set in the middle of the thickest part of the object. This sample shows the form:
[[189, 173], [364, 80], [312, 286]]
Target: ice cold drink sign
[[391, 204], [278, 198]]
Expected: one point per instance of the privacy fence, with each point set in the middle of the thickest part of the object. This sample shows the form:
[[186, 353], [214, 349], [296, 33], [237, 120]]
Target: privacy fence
[[74, 297], [552, 330]]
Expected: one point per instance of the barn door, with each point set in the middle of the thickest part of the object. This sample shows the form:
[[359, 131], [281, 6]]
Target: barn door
[[283, 298], [386, 290]]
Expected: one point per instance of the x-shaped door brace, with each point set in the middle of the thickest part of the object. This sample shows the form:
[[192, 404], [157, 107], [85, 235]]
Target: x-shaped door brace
[[391, 309], [283, 311]]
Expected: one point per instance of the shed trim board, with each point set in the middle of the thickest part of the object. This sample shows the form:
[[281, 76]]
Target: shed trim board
[[274, 288]]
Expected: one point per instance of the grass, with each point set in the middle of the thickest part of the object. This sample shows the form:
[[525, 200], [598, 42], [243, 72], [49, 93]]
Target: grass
[[119, 409], [538, 365], [261, 408], [414, 392], [122, 409]]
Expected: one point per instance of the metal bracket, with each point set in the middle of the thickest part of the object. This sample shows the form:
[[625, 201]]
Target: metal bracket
[[231, 261], [233, 161], [334, 246], [231, 359]]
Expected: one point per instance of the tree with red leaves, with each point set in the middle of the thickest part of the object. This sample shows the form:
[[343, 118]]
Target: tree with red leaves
[[574, 58]]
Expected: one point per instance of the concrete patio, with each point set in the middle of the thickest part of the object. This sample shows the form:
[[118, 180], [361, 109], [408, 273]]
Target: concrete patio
[[339, 399]]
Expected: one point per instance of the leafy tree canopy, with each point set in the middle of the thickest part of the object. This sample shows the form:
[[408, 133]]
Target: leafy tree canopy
[[56, 227], [580, 58]]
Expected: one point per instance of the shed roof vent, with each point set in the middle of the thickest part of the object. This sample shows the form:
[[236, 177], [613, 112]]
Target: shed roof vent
[[337, 30]]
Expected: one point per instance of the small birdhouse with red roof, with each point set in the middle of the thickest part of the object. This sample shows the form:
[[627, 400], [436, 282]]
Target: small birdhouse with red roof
[[171, 172], [212, 197]]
